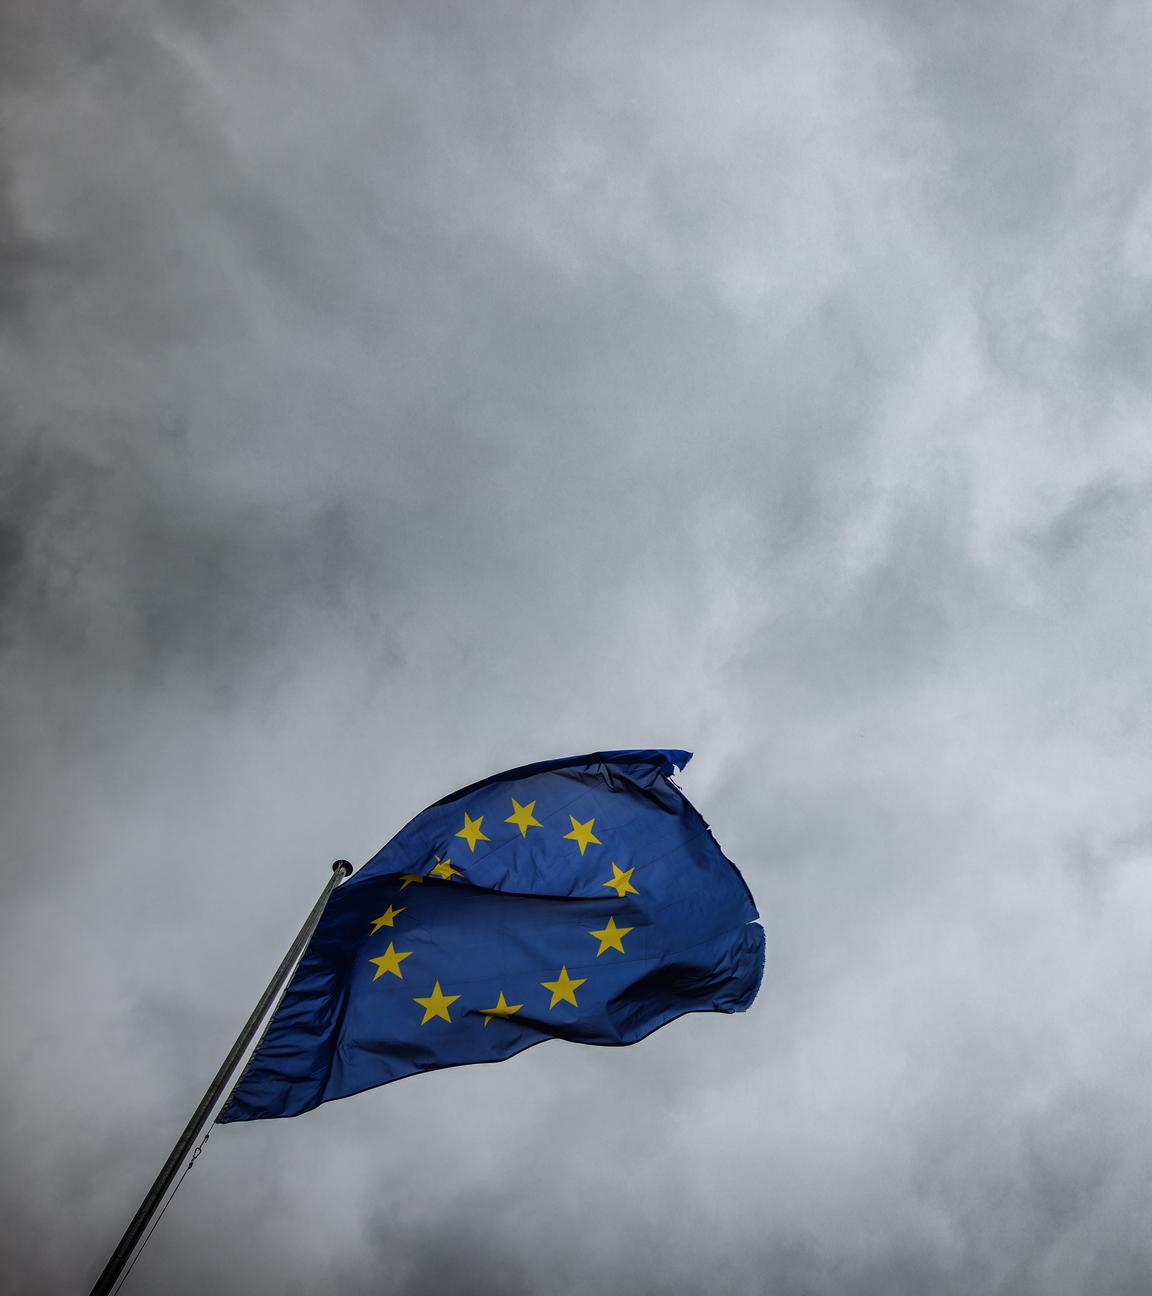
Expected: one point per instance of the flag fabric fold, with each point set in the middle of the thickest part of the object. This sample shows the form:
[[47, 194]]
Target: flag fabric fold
[[581, 899]]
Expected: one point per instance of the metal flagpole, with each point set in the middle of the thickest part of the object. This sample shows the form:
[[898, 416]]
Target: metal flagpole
[[106, 1283]]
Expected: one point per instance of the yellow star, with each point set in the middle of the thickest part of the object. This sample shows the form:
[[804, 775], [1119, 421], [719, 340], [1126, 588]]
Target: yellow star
[[435, 1004], [621, 882], [445, 870], [386, 919], [406, 879], [522, 817], [612, 937], [581, 834], [390, 961], [502, 1009], [471, 831], [564, 987]]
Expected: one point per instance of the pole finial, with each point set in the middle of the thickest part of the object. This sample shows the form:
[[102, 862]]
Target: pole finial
[[342, 867]]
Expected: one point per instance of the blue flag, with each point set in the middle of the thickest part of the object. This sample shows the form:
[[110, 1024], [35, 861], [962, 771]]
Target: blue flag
[[581, 899]]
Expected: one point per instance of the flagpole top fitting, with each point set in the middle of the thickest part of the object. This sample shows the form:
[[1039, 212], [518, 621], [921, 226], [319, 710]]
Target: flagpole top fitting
[[343, 868]]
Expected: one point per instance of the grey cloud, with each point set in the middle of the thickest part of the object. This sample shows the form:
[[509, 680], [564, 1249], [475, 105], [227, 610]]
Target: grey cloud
[[397, 394], [130, 568], [19, 260]]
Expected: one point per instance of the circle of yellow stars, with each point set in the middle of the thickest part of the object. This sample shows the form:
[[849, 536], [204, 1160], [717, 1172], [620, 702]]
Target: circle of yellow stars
[[563, 988]]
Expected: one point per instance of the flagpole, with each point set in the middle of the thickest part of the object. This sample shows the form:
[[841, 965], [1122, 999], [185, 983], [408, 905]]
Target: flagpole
[[106, 1283]]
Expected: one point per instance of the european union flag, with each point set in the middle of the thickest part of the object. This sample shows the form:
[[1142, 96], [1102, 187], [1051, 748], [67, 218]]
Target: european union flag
[[581, 899]]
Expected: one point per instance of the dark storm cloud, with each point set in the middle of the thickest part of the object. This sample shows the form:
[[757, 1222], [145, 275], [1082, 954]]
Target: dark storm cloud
[[394, 394], [20, 260], [129, 567]]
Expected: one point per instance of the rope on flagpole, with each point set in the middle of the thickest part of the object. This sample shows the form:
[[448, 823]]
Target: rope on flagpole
[[160, 1214]]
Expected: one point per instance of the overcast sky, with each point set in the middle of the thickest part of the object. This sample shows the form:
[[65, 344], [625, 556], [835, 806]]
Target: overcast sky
[[395, 393]]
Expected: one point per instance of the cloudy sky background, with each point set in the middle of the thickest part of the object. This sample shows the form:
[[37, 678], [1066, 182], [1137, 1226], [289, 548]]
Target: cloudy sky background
[[396, 393]]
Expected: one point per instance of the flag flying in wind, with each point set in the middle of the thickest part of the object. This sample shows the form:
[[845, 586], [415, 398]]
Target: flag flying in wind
[[581, 899]]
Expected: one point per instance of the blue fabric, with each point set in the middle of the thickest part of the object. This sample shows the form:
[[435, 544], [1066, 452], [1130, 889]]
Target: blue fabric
[[598, 911]]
